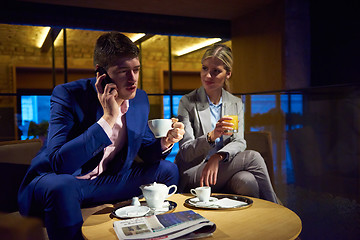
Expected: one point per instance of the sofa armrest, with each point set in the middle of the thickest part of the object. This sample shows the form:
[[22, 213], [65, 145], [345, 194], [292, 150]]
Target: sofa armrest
[[261, 142], [19, 151]]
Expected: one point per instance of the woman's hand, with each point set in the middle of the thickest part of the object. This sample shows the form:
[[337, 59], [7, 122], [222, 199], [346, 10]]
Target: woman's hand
[[210, 171], [221, 128], [107, 98]]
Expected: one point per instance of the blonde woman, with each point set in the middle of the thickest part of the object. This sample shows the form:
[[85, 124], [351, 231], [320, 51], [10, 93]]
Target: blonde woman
[[209, 154]]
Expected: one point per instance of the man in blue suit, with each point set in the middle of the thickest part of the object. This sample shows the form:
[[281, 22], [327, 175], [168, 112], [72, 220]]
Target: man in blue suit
[[95, 133]]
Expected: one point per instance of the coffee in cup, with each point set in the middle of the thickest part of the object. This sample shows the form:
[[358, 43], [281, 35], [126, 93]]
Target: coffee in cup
[[160, 127], [202, 193]]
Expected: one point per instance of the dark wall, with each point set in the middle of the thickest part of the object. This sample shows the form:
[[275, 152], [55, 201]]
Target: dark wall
[[335, 42], [7, 118]]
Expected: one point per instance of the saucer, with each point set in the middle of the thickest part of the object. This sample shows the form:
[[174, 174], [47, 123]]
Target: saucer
[[169, 206], [131, 211], [196, 200], [222, 202]]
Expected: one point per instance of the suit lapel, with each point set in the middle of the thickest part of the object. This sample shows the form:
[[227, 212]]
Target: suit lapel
[[131, 125], [203, 109], [99, 111]]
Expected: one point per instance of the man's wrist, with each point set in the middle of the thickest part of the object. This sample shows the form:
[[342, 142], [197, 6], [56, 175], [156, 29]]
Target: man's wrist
[[165, 144], [105, 126], [110, 120]]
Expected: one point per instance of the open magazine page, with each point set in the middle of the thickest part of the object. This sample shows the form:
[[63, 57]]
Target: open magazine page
[[165, 226]]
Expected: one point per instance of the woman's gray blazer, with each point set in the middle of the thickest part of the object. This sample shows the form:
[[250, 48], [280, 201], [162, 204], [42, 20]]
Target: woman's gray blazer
[[194, 113]]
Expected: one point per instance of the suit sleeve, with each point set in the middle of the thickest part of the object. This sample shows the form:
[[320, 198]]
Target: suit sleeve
[[150, 150], [236, 143], [69, 151], [191, 148]]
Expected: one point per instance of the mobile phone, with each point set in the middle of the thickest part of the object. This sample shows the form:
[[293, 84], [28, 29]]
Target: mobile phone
[[107, 79]]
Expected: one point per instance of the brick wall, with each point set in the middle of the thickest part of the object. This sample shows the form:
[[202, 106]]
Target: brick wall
[[19, 46]]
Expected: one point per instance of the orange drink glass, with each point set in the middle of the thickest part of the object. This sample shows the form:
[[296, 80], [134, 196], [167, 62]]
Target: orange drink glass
[[234, 121]]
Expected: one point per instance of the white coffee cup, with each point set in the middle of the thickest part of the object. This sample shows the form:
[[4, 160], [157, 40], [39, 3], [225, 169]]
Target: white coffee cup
[[202, 193], [160, 127]]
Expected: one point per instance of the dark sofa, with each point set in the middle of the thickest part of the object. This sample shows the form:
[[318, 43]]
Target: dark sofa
[[15, 158]]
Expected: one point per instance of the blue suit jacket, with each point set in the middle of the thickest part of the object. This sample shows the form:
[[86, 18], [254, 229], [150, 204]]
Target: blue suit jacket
[[75, 141]]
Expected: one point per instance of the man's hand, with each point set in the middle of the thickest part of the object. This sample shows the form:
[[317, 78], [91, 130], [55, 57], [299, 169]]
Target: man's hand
[[174, 135], [107, 98]]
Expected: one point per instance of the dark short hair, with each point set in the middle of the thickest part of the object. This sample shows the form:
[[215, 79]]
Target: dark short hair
[[111, 46]]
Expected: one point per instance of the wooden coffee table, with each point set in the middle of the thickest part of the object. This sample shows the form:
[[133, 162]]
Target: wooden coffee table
[[262, 220]]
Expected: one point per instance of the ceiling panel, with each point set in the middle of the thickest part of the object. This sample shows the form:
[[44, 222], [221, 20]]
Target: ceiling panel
[[213, 9]]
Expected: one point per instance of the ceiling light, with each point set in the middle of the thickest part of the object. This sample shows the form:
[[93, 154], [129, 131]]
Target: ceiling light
[[50, 39], [58, 38], [197, 46], [137, 37], [42, 36]]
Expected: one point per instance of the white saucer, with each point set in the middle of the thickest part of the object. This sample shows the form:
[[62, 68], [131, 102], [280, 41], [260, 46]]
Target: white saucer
[[165, 207], [132, 211], [221, 202], [196, 200]]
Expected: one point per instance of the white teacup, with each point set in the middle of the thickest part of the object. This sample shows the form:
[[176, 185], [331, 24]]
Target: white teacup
[[202, 193], [160, 127]]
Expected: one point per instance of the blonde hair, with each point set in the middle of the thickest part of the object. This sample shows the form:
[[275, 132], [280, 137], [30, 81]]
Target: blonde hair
[[224, 54]]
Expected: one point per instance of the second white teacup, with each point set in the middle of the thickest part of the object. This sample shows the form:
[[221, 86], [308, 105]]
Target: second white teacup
[[160, 127], [203, 193]]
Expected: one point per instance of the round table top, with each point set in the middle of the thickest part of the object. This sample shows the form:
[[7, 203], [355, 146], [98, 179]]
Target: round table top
[[262, 220]]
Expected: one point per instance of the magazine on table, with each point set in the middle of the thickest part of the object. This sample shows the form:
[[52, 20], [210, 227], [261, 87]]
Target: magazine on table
[[176, 225]]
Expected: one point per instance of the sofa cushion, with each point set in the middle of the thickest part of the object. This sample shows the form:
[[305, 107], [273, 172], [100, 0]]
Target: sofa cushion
[[15, 227], [15, 159], [10, 180]]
